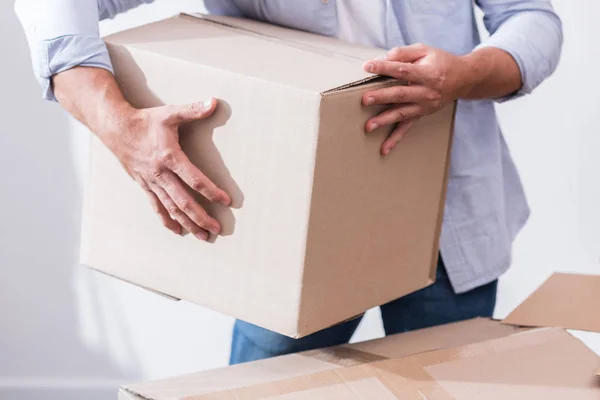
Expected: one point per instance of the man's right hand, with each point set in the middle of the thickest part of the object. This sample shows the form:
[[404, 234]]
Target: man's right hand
[[146, 141]]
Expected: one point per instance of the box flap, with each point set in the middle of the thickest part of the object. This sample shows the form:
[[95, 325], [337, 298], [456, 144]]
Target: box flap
[[303, 60], [564, 300]]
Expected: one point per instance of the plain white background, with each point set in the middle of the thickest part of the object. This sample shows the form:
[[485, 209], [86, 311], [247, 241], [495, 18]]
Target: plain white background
[[68, 332]]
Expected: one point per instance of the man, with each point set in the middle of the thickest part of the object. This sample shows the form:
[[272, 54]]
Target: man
[[485, 206]]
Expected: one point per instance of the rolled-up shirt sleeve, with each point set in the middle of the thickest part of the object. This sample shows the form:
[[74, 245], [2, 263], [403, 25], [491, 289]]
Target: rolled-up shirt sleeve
[[530, 31], [63, 34]]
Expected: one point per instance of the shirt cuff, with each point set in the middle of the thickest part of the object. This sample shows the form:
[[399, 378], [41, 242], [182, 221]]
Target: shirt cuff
[[66, 52]]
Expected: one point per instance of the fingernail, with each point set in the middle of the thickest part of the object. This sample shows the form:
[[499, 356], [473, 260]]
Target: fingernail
[[370, 68], [386, 151], [201, 235], [373, 126], [208, 102], [370, 101]]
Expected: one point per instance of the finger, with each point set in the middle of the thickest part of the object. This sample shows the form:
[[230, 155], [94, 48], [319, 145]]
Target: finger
[[407, 54], [187, 204], [397, 135], [177, 214], [399, 94], [399, 70], [394, 115], [195, 179], [162, 212], [177, 115]]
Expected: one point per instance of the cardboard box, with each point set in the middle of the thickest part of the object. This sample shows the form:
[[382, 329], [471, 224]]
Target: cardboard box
[[479, 359], [264, 372], [319, 217], [543, 363]]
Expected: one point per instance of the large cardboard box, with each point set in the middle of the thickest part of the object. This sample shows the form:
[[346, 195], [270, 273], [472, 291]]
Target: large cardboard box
[[272, 370], [322, 227], [545, 363], [479, 359]]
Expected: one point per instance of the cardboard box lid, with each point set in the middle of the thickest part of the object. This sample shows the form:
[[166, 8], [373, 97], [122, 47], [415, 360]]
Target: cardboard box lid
[[304, 61], [543, 363], [564, 300], [315, 361]]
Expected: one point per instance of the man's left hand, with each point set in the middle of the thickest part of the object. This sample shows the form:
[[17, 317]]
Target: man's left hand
[[436, 78]]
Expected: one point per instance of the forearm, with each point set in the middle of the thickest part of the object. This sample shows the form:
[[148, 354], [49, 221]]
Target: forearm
[[530, 31], [490, 73], [92, 95]]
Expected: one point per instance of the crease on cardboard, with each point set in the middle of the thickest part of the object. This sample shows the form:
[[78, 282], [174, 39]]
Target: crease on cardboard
[[314, 49], [444, 191], [313, 162], [368, 79], [378, 82]]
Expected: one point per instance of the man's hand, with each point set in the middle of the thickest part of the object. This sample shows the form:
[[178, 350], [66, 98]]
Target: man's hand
[[435, 78], [146, 141], [148, 148]]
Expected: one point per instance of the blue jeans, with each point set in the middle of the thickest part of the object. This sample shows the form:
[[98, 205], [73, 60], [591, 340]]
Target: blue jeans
[[434, 305]]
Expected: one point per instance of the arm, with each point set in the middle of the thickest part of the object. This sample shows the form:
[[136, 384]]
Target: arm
[[530, 31], [523, 50], [73, 66]]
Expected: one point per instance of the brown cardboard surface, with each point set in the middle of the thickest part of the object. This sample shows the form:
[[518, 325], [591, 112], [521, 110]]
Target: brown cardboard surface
[[543, 363], [564, 300], [315, 361], [316, 210], [439, 337], [327, 45], [548, 364]]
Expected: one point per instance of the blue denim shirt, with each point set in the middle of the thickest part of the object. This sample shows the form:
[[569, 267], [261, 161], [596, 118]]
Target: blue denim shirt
[[485, 203]]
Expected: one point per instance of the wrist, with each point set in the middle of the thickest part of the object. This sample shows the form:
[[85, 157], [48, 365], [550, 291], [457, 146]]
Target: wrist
[[474, 68]]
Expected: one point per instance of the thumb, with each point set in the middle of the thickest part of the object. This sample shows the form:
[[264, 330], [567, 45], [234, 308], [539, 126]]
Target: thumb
[[191, 112]]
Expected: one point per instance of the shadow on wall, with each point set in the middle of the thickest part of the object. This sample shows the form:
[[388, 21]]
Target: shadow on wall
[[41, 341]]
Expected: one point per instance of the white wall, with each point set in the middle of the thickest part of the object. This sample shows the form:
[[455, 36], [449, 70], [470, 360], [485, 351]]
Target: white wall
[[68, 332]]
